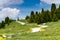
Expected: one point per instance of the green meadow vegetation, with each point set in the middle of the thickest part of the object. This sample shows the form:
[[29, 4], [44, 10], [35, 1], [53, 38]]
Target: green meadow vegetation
[[20, 32]]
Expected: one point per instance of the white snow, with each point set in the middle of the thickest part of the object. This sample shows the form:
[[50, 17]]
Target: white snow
[[9, 37], [35, 29], [44, 26], [20, 22], [4, 36]]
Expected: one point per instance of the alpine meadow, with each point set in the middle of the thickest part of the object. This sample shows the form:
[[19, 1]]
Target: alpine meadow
[[29, 20]]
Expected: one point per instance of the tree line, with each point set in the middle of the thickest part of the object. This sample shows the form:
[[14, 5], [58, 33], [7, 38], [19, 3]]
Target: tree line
[[44, 16], [6, 21]]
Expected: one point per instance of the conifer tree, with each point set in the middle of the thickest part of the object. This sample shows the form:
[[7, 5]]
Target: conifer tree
[[3, 24], [36, 17], [7, 21], [58, 12], [42, 16], [32, 17], [55, 18], [53, 11], [27, 17], [53, 8]]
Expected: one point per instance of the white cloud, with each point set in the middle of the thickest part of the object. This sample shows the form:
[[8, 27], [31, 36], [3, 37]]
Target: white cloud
[[10, 12], [9, 2], [51, 1]]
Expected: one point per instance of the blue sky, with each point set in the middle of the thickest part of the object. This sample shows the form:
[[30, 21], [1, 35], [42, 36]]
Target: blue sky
[[21, 8], [30, 5]]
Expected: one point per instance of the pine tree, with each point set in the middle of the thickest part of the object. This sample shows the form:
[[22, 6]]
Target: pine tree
[[40, 19], [7, 20], [43, 16], [27, 17], [46, 18], [32, 17], [36, 17], [53, 12], [53, 8], [55, 18], [3, 24], [58, 12], [50, 16]]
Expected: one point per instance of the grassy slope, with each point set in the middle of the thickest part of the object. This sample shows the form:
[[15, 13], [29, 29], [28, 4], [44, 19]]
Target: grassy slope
[[19, 31]]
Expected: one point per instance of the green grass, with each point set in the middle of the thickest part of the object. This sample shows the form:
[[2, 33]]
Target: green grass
[[51, 33]]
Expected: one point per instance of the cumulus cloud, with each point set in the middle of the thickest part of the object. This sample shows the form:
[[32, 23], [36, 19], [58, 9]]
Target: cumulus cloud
[[51, 1], [10, 12], [9, 2]]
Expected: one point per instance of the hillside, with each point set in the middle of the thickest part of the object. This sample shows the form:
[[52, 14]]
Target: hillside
[[20, 32]]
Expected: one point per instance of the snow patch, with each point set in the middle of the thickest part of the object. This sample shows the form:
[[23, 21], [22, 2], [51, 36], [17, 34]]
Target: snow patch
[[21, 23], [4, 36], [35, 29], [44, 26]]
